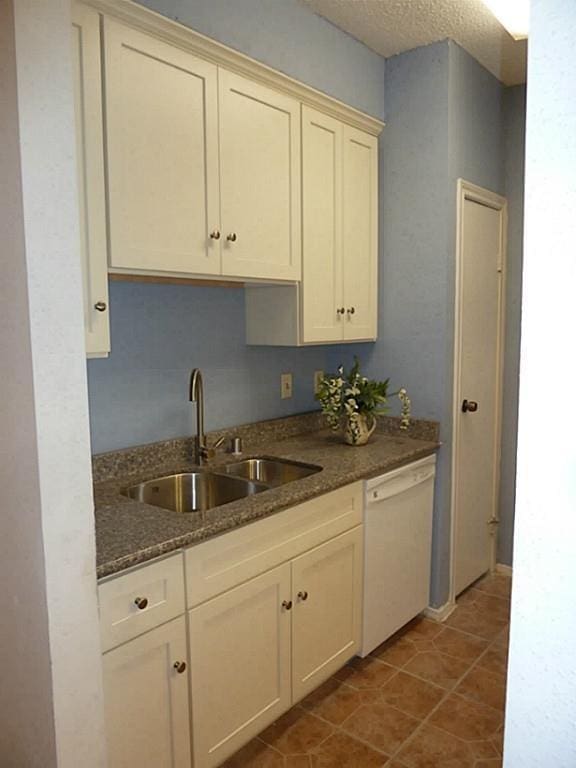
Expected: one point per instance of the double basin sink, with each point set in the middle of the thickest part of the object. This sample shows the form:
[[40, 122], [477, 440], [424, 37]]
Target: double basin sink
[[204, 489]]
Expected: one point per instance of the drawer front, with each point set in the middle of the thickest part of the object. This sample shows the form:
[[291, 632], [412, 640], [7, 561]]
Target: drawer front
[[140, 600], [221, 563]]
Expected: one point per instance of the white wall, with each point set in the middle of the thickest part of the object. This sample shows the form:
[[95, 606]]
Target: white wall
[[541, 707], [50, 691]]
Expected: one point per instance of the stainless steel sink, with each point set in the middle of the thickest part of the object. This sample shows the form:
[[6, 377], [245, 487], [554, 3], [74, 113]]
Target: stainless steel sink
[[193, 491], [272, 472]]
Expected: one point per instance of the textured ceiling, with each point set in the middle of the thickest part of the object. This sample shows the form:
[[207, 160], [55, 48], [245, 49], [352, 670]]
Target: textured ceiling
[[393, 26]]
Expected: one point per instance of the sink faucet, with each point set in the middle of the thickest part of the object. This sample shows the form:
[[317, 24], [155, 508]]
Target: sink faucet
[[202, 452]]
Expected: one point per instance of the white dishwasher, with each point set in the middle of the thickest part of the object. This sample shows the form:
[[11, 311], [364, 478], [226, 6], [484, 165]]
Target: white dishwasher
[[398, 544]]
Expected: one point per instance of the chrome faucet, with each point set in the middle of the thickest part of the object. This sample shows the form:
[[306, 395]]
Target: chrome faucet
[[202, 452]]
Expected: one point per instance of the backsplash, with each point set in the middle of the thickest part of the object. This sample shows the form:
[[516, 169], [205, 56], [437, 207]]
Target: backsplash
[[159, 333]]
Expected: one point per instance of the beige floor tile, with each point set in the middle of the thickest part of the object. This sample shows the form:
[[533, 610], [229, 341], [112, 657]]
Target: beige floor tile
[[495, 659], [466, 719], [334, 701], [255, 755], [438, 668], [380, 725], [365, 673], [396, 651], [458, 644], [468, 618], [296, 732], [411, 695], [433, 748], [343, 751], [485, 687]]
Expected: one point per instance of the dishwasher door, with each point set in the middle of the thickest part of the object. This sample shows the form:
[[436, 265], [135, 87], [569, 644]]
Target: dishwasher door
[[398, 543]]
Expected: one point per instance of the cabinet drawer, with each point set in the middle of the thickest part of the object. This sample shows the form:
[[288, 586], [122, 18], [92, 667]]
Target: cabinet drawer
[[140, 600], [228, 560]]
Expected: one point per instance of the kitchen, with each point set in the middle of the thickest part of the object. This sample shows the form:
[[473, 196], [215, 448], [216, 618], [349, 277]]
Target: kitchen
[[232, 382]]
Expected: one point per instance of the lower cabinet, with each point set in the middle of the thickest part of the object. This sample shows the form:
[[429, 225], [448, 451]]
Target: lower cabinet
[[260, 647], [146, 700]]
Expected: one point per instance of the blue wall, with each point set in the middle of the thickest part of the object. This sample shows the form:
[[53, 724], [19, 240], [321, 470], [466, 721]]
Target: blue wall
[[159, 332]]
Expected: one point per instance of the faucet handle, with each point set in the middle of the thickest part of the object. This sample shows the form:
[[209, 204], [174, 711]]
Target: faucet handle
[[208, 452]]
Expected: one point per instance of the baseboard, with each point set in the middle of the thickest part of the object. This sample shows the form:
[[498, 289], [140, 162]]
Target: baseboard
[[505, 570], [440, 614]]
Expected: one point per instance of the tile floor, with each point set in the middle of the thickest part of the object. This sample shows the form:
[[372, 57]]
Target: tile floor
[[430, 697]]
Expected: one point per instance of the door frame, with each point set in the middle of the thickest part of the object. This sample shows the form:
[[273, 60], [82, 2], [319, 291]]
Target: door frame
[[468, 191]]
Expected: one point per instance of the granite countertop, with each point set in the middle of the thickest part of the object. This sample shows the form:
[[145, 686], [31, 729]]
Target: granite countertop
[[130, 532]]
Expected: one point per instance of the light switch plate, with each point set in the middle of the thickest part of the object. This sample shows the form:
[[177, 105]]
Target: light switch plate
[[286, 385]]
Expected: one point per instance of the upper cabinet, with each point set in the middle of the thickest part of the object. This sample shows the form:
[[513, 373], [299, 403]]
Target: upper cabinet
[[162, 151], [337, 299], [91, 189], [260, 180]]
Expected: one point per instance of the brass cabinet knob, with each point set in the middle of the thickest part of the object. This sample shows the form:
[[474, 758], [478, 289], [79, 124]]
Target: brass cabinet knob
[[351, 310], [180, 666], [303, 595], [141, 603], [469, 405], [340, 311], [215, 234], [231, 237], [100, 306], [287, 605]]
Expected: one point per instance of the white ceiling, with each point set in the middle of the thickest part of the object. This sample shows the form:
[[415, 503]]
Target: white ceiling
[[393, 26]]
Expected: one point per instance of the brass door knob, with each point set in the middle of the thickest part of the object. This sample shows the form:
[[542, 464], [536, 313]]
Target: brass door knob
[[215, 234], [231, 237], [141, 603], [303, 595], [287, 605], [180, 666], [100, 306], [470, 406]]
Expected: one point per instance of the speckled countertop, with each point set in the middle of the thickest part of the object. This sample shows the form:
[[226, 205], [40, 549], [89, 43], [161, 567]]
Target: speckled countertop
[[130, 532]]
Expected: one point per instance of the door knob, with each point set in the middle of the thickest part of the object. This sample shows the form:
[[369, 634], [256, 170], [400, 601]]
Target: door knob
[[231, 237], [180, 666], [100, 306], [215, 234], [469, 405]]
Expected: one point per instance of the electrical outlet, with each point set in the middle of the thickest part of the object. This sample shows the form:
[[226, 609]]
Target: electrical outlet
[[318, 376], [286, 385]]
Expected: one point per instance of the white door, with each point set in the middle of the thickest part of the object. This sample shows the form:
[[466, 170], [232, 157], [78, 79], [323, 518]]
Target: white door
[[322, 309], [360, 234], [327, 596], [146, 700], [260, 180], [478, 374], [162, 154], [240, 656], [91, 189]]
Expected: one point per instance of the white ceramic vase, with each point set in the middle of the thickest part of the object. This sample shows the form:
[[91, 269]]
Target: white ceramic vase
[[357, 430]]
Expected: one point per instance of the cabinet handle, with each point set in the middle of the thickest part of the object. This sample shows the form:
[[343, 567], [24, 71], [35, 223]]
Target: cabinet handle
[[351, 310], [340, 311], [100, 306], [180, 666], [469, 405], [141, 603], [303, 596], [287, 605], [231, 237], [215, 234]]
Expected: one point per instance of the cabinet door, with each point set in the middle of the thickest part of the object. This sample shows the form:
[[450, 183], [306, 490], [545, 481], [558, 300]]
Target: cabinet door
[[326, 620], [240, 665], [91, 190], [146, 700], [162, 153], [360, 234], [260, 180], [322, 316]]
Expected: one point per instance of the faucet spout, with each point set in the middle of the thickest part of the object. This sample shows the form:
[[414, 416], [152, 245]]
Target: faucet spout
[[197, 396]]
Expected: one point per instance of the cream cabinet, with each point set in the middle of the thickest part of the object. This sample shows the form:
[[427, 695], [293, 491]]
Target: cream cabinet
[[162, 155], [337, 298], [90, 169], [260, 180], [146, 700]]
